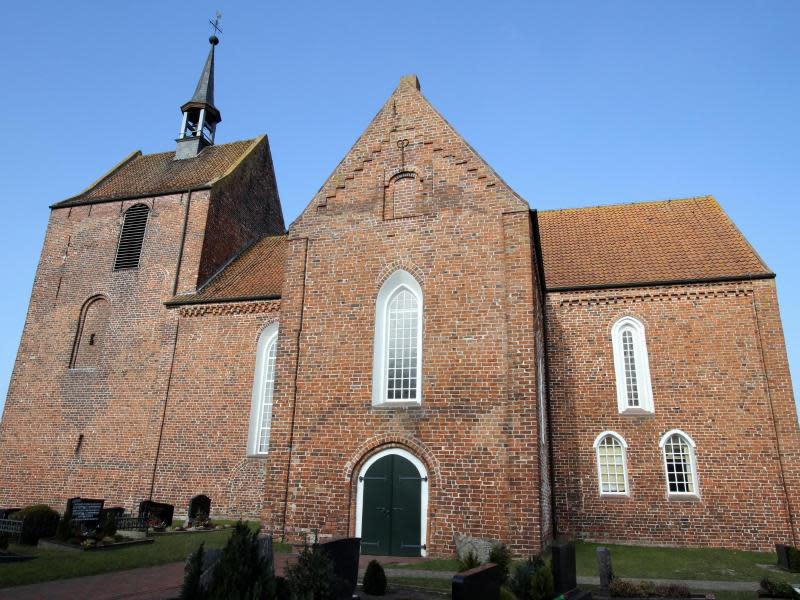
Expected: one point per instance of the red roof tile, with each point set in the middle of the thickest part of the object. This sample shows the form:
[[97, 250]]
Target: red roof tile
[[158, 174], [255, 273], [648, 242]]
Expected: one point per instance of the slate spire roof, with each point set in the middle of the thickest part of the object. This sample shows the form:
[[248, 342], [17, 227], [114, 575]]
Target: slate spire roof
[[204, 93]]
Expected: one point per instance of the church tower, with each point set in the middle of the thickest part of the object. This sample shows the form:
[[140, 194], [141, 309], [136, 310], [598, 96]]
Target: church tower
[[200, 116]]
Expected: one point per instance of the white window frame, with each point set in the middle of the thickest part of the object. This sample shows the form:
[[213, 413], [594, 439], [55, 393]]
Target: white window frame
[[597, 441], [641, 361], [268, 336], [423, 473], [396, 281], [692, 464]]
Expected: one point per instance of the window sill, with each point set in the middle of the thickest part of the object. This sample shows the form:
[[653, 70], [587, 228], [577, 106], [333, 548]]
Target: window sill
[[614, 496], [678, 497], [397, 404], [257, 456], [636, 412]]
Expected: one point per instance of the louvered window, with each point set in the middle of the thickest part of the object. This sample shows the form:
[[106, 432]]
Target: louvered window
[[131, 238]]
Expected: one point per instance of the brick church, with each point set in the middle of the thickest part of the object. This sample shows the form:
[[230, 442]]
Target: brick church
[[419, 355]]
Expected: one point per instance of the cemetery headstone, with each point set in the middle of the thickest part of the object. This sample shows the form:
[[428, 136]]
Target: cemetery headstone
[[85, 511], [480, 583], [344, 555], [605, 569], [563, 566], [199, 509], [156, 513]]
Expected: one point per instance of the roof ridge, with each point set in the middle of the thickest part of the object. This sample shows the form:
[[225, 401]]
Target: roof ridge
[[687, 199]]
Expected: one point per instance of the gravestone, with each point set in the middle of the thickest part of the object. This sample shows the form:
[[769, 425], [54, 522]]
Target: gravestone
[[782, 550], [604, 569], [85, 511], [344, 555], [480, 583], [563, 566], [156, 513], [199, 509], [480, 547]]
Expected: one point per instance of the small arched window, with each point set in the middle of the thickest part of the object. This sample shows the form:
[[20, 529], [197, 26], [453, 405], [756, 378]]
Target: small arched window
[[631, 366], [92, 332], [397, 364], [680, 465], [612, 464], [263, 387], [131, 238]]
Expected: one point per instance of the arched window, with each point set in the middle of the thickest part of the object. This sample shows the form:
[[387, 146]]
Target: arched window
[[612, 464], [92, 332], [131, 238], [397, 364], [631, 366], [680, 465], [263, 386]]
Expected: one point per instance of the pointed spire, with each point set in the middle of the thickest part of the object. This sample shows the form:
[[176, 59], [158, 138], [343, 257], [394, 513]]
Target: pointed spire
[[204, 93], [200, 116]]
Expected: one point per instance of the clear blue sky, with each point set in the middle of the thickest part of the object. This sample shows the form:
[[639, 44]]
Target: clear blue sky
[[573, 103]]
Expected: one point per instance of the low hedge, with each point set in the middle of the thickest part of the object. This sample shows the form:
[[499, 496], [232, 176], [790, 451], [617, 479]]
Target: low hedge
[[38, 521]]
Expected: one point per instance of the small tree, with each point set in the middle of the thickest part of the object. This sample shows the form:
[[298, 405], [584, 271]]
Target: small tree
[[191, 590], [313, 577], [501, 556], [241, 573], [375, 579]]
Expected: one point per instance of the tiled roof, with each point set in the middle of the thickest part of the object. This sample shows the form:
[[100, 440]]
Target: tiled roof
[[158, 174], [671, 240], [255, 273]]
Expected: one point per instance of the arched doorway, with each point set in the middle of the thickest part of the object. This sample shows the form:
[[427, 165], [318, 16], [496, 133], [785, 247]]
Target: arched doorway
[[392, 504]]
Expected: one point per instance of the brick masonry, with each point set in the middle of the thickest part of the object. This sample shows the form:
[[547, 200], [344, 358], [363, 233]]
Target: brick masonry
[[163, 399]]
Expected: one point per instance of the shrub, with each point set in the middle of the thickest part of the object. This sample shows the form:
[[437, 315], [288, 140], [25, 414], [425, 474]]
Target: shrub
[[532, 580], [375, 579], [622, 588], [778, 589], [38, 521], [470, 561], [4, 538], [190, 590], [282, 591], [241, 573], [507, 594], [794, 558], [501, 556], [312, 577]]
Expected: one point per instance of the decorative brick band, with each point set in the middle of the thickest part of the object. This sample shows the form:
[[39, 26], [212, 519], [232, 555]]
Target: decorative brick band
[[593, 297], [237, 308]]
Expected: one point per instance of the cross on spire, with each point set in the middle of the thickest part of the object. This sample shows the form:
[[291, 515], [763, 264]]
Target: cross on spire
[[215, 24]]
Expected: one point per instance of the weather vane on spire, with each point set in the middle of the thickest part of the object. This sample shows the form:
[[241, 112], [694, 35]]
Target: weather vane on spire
[[214, 40]]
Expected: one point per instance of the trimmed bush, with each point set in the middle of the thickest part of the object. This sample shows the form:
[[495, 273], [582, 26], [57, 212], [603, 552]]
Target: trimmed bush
[[470, 561], [38, 521], [312, 577], [778, 589], [375, 579], [672, 590], [501, 556]]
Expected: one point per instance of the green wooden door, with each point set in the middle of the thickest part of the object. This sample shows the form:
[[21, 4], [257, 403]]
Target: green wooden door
[[392, 508]]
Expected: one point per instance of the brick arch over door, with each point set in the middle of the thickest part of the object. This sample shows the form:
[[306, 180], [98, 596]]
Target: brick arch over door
[[378, 444]]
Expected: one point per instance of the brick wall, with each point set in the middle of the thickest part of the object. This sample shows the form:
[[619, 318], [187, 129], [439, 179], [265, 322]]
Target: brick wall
[[466, 238], [711, 380]]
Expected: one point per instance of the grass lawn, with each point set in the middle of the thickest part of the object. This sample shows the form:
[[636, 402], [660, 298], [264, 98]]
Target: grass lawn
[[62, 564], [682, 563]]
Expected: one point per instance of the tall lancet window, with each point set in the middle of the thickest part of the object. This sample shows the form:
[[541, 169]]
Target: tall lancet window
[[263, 387], [631, 366], [397, 357]]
